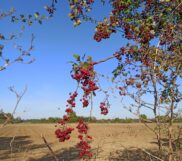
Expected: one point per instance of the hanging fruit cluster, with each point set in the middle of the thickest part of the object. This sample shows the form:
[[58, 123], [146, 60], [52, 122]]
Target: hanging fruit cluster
[[103, 31], [104, 108], [83, 145], [63, 132], [84, 74]]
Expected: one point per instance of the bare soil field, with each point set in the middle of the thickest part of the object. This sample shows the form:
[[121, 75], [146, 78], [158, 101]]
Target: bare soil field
[[117, 142]]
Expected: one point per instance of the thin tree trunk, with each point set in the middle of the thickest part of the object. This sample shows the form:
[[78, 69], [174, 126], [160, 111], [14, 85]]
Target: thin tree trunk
[[171, 118], [170, 130], [157, 119]]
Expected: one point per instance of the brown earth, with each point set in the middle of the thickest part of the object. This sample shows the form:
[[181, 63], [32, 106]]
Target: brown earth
[[117, 142]]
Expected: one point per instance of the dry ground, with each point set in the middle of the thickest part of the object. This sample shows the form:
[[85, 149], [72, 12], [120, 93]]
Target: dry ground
[[22, 142]]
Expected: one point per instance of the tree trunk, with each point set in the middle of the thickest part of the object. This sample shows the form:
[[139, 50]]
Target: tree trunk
[[170, 154]]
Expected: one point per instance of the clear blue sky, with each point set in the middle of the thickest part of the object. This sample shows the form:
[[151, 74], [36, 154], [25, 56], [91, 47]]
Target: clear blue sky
[[48, 78]]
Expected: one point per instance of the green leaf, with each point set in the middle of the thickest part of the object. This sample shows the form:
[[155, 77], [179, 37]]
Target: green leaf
[[24, 20], [77, 57], [125, 74], [85, 65], [40, 22], [29, 23], [89, 58], [43, 17], [36, 14]]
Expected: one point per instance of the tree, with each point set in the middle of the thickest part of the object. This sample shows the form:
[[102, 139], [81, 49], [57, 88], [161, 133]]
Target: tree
[[149, 65], [4, 116], [143, 67], [143, 117], [73, 117]]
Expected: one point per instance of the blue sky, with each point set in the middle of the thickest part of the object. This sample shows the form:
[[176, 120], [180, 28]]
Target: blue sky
[[48, 78]]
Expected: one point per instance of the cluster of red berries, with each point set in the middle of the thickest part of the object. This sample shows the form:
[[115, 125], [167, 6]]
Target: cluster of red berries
[[63, 134], [114, 21], [71, 100], [104, 108], [119, 6], [146, 37], [106, 28], [85, 75], [82, 127], [85, 149], [103, 31], [70, 105], [85, 101], [65, 119], [89, 87], [129, 35], [83, 145], [128, 31], [69, 110]]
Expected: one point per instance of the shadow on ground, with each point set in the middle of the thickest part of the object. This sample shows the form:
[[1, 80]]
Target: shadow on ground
[[17, 141], [14, 148], [133, 155], [71, 154], [21, 144], [140, 155], [10, 146], [177, 144], [68, 154]]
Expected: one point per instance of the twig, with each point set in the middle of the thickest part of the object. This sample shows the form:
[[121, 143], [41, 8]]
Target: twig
[[18, 96], [176, 8], [91, 108], [18, 99], [106, 59], [50, 149], [20, 57], [151, 154], [11, 145]]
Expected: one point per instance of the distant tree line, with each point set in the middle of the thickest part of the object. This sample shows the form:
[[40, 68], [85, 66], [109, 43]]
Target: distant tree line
[[74, 118], [4, 116]]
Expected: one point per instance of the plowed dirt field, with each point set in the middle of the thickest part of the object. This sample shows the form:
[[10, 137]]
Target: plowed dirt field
[[122, 142]]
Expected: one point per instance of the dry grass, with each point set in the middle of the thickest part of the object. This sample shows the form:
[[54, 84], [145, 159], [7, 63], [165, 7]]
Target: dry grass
[[121, 142]]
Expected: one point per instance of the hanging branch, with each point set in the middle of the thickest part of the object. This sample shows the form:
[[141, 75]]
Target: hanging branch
[[20, 58]]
